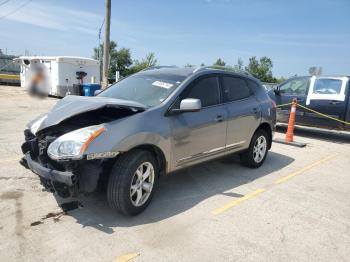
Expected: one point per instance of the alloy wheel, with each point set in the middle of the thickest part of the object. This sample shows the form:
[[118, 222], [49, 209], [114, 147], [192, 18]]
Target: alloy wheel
[[142, 184], [259, 149]]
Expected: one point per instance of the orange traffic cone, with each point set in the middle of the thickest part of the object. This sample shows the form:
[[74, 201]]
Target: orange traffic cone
[[290, 131], [291, 122]]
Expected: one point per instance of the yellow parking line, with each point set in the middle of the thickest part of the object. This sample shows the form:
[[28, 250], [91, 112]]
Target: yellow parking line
[[126, 257], [298, 172], [279, 181], [238, 201]]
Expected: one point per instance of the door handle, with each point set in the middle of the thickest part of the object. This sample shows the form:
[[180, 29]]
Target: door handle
[[300, 100], [334, 102], [219, 118]]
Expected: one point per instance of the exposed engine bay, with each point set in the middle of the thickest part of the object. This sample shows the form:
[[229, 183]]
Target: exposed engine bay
[[86, 175]]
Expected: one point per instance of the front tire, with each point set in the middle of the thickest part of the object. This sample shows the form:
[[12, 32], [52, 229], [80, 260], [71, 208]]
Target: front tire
[[256, 154], [132, 182]]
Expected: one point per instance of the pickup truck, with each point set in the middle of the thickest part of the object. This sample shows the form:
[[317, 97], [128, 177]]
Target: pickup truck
[[325, 94]]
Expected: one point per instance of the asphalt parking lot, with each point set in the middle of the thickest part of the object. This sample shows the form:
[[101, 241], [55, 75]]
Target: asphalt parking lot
[[296, 207]]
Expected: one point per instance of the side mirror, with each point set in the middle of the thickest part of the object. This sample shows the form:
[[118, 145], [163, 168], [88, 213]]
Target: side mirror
[[188, 105], [276, 90], [97, 92]]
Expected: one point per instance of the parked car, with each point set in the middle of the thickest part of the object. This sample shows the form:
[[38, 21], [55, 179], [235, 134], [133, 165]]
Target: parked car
[[153, 122], [325, 94]]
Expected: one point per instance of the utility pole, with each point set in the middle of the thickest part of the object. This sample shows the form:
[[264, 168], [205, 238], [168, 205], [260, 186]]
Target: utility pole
[[99, 51], [106, 45]]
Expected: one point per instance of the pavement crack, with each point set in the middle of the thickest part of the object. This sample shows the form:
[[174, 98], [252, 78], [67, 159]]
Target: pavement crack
[[283, 238]]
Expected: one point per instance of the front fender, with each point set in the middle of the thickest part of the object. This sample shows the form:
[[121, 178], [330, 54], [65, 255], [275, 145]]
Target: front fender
[[144, 138], [146, 128]]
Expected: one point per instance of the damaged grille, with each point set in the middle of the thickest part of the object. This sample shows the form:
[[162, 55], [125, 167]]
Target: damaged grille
[[86, 172], [37, 147]]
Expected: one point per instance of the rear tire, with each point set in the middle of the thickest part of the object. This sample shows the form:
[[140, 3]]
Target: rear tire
[[256, 154], [129, 189]]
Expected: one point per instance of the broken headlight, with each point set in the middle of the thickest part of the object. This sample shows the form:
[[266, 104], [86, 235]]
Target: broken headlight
[[73, 144]]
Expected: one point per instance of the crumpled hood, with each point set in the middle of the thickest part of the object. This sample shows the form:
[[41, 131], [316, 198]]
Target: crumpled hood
[[74, 105]]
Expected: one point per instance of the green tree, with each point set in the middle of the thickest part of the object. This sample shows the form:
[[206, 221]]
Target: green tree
[[261, 69], [119, 59], [122, 61], [219, 62], [280, 80], [149, 61]]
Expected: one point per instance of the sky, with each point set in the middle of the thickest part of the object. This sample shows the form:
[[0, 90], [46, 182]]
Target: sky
[[294, 34]]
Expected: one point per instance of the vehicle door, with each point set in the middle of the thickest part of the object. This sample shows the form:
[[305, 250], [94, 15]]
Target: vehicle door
[[199, 135], [293, 88], [244, 112], [327, 95]]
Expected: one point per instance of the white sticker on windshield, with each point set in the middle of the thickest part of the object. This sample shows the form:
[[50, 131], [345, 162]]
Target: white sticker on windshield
[[162, 84]]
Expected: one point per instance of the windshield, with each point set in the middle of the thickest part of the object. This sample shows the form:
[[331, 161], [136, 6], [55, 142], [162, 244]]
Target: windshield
[[145, 89]]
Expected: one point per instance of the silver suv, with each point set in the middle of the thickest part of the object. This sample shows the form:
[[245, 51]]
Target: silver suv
[[153, 122]]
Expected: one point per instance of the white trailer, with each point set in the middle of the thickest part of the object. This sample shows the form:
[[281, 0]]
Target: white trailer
[[61, 72]]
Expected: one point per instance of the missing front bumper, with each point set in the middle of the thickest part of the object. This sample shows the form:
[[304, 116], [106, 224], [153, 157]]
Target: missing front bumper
[[64, 177], [61, 183], [84, 177]]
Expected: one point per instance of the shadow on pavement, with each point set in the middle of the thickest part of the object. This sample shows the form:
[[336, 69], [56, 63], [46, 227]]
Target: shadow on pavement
[[321, 134], [179, 192]]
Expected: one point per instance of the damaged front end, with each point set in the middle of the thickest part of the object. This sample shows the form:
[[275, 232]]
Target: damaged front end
[[65, 177], [64, 168]]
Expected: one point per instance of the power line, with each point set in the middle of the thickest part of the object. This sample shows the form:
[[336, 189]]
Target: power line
[[4, 2], [17, 9], [99, 31]]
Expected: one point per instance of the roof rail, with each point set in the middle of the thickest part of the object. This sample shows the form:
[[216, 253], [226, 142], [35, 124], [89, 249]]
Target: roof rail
[[157, 67], [225, 68]]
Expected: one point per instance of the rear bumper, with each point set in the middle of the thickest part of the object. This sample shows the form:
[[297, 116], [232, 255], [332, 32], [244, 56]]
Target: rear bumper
[[64, 177]]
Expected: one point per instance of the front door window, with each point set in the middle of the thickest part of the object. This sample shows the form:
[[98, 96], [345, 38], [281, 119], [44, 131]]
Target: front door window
[[295, 87]]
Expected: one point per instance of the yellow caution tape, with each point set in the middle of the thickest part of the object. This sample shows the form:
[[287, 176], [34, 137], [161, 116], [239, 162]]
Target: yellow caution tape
[[324, 115], [9, 77], [318, 113], [284, 105]]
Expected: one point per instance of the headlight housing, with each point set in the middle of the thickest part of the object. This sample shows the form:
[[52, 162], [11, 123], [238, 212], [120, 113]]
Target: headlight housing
[[36, 124], [73, 144]]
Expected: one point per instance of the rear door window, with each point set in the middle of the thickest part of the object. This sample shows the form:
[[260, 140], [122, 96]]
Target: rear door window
[[234, 88], [327, 86], [206, 90]]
